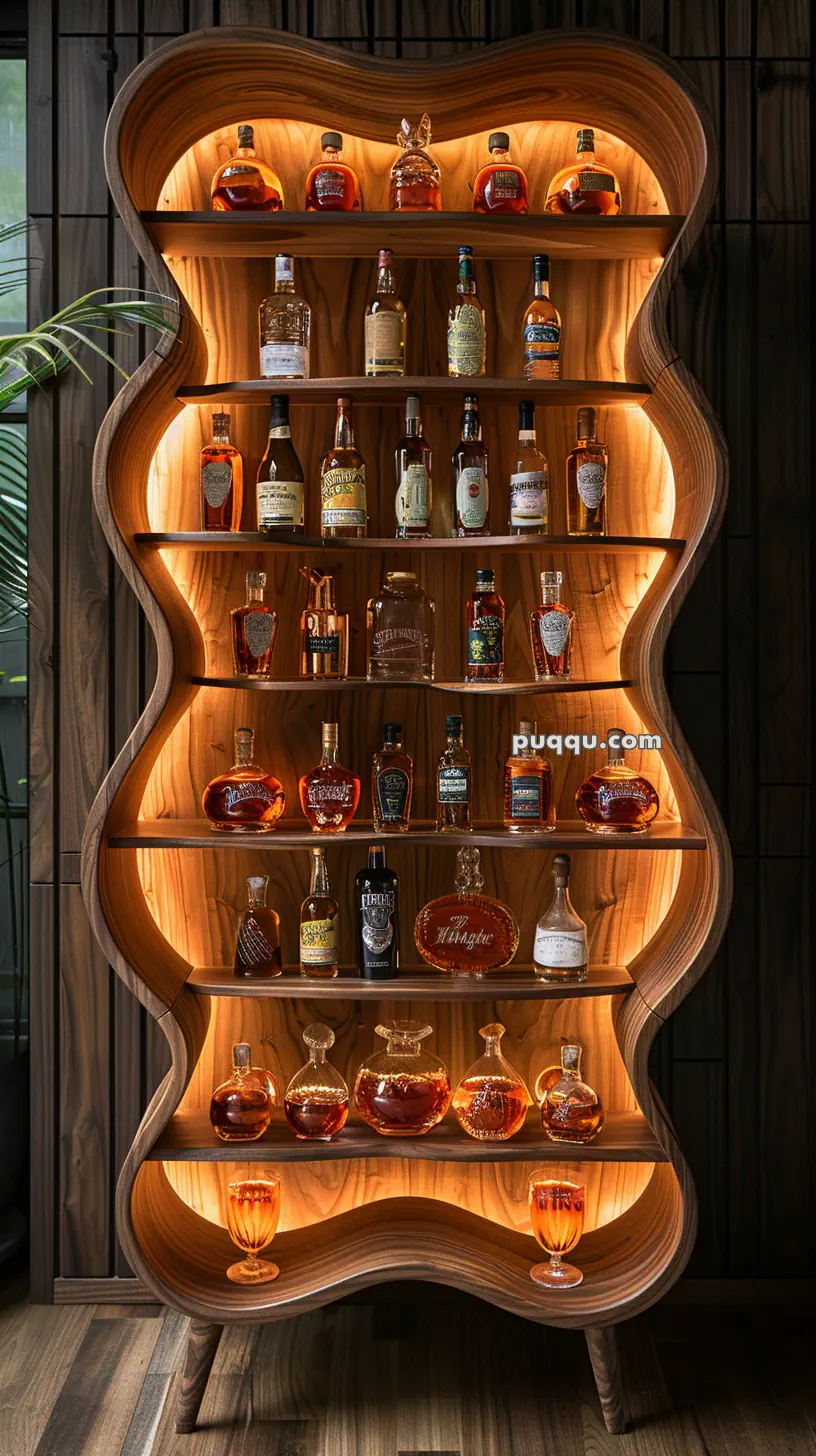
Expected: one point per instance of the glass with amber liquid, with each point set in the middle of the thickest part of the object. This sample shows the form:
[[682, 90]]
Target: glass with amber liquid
[[385, 323], [257, 948], [416, 183], [466, 933], [557, 1219], [541, 332], [222, 480], [319, 924], [529, 806], [253, 1213], [324, 632], [246, 799], [501, 186], [333, 186], [571, 1111], [329, 793], [615, 799], [246, 183], [404, 1090], [551, 631], [241, 1107], [254, 629], [316, 1102], [491, 1100], [584, 188], [587, 467]]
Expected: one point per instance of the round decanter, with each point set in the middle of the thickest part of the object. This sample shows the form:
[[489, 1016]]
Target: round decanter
[[400, 631], [245, 799], [571, 1111], [241, 1107], [402, 1091], [416, 182], [615, 799], [316, 1102], [491, 1100], [466, 933]]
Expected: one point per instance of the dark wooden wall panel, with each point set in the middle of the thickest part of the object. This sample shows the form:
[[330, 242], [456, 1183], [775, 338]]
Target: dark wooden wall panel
[[733, 1063]]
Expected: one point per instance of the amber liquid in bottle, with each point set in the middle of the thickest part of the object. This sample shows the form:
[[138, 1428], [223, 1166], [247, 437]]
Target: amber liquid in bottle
[[571, 1111], [344, 512], [246, 798], [222, 480], [316, 1102], [324, 632], [587, 467], [415, 178], [529, 805], [551, 631], [484, 624], [471, 488], [402, 1104], [329, 795], [241, 1107], [615, 799], [542, 327], [332, 186], [319, 924], [254, 629], [246, 183], [584, 188], [501, 186], [491, 1101], [257, 949]]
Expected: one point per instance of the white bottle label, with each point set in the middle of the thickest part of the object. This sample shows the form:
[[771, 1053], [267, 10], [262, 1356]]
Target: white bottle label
[[471, 497], [563, 949], [528, 498], [591, 482], [383, 342], [284, 361], [554, 628], [280, 503], [216, 481], [466, 340], [412, 497]]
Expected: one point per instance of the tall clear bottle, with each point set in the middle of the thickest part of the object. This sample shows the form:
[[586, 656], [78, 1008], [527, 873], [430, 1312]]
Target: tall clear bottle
[[343, 512], [319, 924], [542, 327], [467, 336], [560, 949], [284, 325], [324, 632], [400, 631], [386, 322], [413, 459], [529, 503], [471, 486], [453, 781]]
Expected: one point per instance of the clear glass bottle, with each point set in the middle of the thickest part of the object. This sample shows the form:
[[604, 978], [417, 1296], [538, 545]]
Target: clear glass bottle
[[484, 624], [501, 186], [324, 632], [400, 631], [466, 933], [529, 503], [386, 321], [584, 188], [529, 805], [491, 1100], [284, 326], [377, 900], [246, 183], [541, 331], [453, 781], [344, 512], [246, 799], [467, 336], [560, 948], [392, 783], [316, 1102], [471, 486], [551, 631], [413, 459], [319, 924], [333, 186], [571, 1112], [329, 793], [257, 948], [254, 629], [279, 487], [615, 799], [416, 182], [222, 480], [241, 1108], [403, 1091], [587, 467]]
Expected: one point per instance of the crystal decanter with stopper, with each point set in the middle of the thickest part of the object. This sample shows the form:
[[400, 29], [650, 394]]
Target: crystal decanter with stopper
[[329, 794], [560, 947], [246, 798], [615, 799], [241, 1107], [257, 949], [571, 1111], [316, 1102], [400, 631], [416, 184], [404, 1090], [491, 1100], [467, 933]]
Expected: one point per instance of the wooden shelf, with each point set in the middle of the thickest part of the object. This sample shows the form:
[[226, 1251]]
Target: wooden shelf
[[433, 390], [415, 983], [196, 834], [256, 541], [350, 684], [625, 1138], [409, 235]]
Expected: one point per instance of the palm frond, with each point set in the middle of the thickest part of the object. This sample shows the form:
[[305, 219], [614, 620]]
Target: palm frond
[[13, 528]]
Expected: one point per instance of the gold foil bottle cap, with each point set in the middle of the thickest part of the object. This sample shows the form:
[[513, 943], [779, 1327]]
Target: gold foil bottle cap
[[330, 735], [244, 738], [551, 578]]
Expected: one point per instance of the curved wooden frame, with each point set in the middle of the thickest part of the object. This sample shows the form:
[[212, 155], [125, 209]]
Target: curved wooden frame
[[186, 88]]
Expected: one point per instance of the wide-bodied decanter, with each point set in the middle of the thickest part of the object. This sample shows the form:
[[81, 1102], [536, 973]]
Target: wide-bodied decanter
[[329, 793], [241, 1107], [404, 1090], [571, 1111], [584, 187], [400, 631], [615, 799], [467, 933], [491, 1100], [246, 183], [246, 798], [316, 1102]]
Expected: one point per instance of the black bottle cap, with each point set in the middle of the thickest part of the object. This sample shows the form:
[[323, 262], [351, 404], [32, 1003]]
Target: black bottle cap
[[541, 267], [453, 724], [279, 408], [526, 414], [485, 577], [471, 402], [392, 732], [246, 136], [332, 139], [498, 139], [376, 857]]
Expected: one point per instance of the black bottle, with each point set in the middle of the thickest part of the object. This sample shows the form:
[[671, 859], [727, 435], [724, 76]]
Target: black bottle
[[377, 926]]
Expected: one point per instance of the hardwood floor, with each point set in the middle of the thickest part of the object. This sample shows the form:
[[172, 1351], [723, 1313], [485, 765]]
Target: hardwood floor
[[404, 1379]]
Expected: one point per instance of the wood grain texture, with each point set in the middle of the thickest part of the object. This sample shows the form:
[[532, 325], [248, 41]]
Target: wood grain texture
[[202, 1344], [414, 983], [602, 1344]]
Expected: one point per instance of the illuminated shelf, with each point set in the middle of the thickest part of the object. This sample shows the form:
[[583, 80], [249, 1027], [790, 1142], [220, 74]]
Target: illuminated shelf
[[483, 689], [196, 834], [433, 389], [256, 541], [415, 983]]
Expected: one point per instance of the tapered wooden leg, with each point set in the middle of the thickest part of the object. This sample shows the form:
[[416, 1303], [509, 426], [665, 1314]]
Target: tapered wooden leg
[[202, 1343], [603, 1352]]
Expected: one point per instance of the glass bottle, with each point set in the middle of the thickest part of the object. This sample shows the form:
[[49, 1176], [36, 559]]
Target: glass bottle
[[284, 326], [467, 338], [319, 924], [404, 1090], [241, 1108], [529, 503], [484, 621], [529, 806], [329, 793], [413, 459], [491, 1100], [376, 891], [587, 467], [316, 1102], [551, 631], [466, 933], [333, 186], [385, 324], [400, 631], [257, 948], [392, 783], [246, 799], [560, 949], [254, 629], [501, 186], [246, 183], [571, 1111], [343, 510], [584, 187], [453, 781], [615, 799], [222, 480], [541, 331], [471, 488], [416, 183], [279, 488], [324, 632]]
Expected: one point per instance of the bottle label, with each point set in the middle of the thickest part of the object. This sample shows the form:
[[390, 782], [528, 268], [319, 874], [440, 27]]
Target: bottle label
[[563, 949], [466, 340], [412, 497], [284, 361], [486, 641], [318, 943], [328, 646], [596, 182], [255, 789], [549, 333], [377, 920], [216, 482], [471, 497], [529, 491], [554, 628], [591, 481], [280, 432], [506, 185], [258, 629], [343, 493], [329, 183], [383, 341], [252, 947], [280, 503], [392, 794], [525, 796], [453, 785], [630, 789], [402, 644]]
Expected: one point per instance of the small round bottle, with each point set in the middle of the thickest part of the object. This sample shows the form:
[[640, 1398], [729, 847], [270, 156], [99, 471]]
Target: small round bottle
[[246, 798], [241, 1107], [491, 1100], [571, 1111], [332, 186], [316, 1102], [615, 799], [402, 1091], [501, 186]]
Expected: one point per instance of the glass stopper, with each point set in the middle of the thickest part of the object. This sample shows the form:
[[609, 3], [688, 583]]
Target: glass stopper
[[319, 1036]]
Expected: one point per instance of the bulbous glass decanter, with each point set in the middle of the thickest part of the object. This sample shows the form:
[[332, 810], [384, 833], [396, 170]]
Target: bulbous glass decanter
[[402, 1091], [491, 1100], [416, 184], [467, 933], [571, 1111], [615, 799], [400, 631], [245, 799], [241, 1107], [316, 1102]]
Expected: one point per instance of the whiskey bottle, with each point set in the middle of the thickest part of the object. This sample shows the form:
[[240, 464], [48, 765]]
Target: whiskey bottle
[[584, 187], [343, 482], [254, 629], [560, 950], [484, 620], [222, 480], [241, 1108], [319, 927], [392, 783], [385, 323], [257, 949], [245, 183], [529, 806], [416, 184], [324, 632], [246, 798], [284, 323], [467, 338], [541, 332], [491, 1100], [587, 466], [571, 1112], [453, 780], [329, 793], [316, 1102], [333, 186], [466, 933], [413, 459], [471, 489], [279, 489], [402, 1091], [377, 923], [400, 631], [551, 631], [615, 799], [501, 186], [529, 505]]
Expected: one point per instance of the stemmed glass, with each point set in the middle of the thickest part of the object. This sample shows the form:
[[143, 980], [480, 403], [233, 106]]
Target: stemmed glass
[[253, 1210], [557, 1217]]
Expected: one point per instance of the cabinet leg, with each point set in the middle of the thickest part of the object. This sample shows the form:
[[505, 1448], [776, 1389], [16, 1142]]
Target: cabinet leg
[[602, 1345], [202, 1343]]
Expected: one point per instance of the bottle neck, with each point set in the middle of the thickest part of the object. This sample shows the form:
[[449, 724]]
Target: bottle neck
[[284, 285], [332, 154], [527, 437], [221, 435], [500, 156], [392, 745], [329, 751], [320, 876], [542, 287], [385, 280], [317, 1056], [586, 156], [455, 740], [243, 753], [471, 426], [344, 430], [466, 282], [413, 427], [551, 596], [245, 152], [255, 594]]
